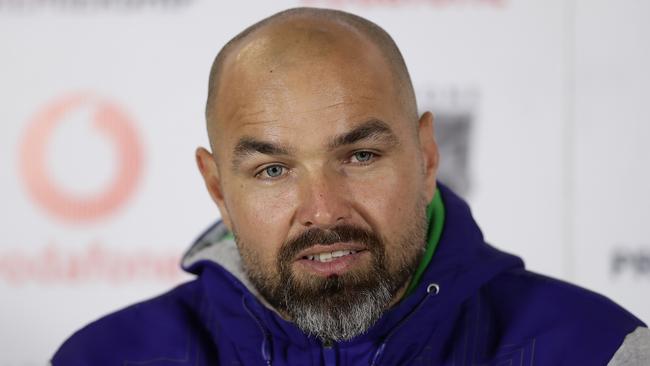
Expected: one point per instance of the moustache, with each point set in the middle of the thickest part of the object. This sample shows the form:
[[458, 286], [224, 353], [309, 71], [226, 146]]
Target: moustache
[[337, 234]]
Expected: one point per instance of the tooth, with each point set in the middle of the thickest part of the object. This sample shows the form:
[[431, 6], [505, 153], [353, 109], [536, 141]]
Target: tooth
[[330, 256], [325, 257]]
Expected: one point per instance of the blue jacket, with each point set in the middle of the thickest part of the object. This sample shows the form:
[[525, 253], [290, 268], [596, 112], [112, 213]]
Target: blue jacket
[[475, 305]]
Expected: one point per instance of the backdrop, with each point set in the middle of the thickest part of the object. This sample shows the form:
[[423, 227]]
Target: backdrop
[[541, 111]]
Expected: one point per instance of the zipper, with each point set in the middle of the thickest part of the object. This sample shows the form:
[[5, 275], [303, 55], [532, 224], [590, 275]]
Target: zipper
[[329, 353], [266, 347]]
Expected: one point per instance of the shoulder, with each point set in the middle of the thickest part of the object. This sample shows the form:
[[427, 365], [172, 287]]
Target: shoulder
[[159, 328], [522, 290], [559, 317], [635, 350]]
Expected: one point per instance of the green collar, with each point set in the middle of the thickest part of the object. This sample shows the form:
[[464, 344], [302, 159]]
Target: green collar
[[436, 218]]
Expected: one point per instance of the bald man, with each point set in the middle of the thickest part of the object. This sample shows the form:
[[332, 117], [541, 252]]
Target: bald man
[[337, 246]]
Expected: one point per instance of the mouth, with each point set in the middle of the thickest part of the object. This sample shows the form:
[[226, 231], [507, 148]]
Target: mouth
[[330, 260], [329, 256]]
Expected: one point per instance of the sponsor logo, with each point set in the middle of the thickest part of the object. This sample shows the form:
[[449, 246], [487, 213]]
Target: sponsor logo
[[94, 263], [71, 127], [109, 120], [627, 261]]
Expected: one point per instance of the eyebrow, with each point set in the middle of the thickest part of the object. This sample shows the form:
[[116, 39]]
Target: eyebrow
[[247, 146], [371, 129]]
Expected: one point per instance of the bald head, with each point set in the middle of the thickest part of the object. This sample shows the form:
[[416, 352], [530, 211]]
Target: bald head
[[300, 36]]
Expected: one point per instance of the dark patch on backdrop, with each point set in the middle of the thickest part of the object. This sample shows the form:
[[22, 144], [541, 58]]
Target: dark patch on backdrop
[[625, 260], [454, 110]]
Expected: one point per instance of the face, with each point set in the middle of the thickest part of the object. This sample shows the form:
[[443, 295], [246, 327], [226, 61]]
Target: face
[[324, 178]]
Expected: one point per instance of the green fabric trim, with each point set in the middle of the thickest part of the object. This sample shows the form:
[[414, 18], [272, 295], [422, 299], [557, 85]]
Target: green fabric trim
[[436, 218], [229, 236]]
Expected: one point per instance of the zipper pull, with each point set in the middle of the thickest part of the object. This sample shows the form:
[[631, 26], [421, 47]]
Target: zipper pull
[[329, 353]]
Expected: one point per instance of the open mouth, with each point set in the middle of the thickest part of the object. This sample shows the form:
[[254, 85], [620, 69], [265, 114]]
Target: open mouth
[[329, 256], [335, 259]]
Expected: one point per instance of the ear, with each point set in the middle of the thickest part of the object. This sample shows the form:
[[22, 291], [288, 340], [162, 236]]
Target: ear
[[429, 150], [208, 168]]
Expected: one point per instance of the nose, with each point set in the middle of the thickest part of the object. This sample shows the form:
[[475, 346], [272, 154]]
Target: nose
[[324, 201]]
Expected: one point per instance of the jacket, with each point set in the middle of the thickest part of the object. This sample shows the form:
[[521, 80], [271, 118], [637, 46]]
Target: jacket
[[475, 305]]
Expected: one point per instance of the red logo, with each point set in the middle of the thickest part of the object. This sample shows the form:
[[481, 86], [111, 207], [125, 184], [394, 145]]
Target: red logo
[[109, 120]]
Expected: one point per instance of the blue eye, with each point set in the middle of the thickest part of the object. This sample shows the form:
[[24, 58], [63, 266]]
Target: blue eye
[[274, 171], [363, 156]]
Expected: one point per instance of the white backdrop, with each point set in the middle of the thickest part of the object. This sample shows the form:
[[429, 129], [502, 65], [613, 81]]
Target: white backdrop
[[541, 105]]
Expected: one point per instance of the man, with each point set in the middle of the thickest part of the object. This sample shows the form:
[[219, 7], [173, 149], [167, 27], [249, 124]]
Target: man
[[337, 246]]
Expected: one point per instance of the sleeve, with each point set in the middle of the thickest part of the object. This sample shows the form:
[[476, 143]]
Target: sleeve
[[635, 350]]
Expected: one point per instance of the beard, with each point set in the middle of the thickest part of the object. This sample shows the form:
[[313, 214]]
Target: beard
[[338, 307]]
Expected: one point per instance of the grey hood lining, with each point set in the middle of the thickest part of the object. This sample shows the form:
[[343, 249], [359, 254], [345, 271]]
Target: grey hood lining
[[218, 246]]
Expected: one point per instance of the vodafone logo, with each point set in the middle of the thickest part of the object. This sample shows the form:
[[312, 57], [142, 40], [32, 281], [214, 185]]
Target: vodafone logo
[[106, 120]]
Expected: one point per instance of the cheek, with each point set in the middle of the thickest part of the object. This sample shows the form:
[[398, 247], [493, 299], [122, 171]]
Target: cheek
[[390, 204], [388, 199], [261, 216]]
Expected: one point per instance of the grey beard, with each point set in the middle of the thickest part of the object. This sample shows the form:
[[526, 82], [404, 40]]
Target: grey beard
[[343, 318], [340, 307]]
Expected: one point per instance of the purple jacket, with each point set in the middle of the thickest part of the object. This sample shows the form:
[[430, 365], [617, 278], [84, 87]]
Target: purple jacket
[[475, 305]]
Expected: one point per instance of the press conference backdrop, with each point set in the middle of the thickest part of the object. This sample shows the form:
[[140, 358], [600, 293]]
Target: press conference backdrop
[[541, 111]]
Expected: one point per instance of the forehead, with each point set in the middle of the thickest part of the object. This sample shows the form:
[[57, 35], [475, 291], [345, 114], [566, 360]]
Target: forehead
[[317, 80]]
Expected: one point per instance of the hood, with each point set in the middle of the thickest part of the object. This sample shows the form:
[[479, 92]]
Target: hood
[[462, 263], [216, 245]]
